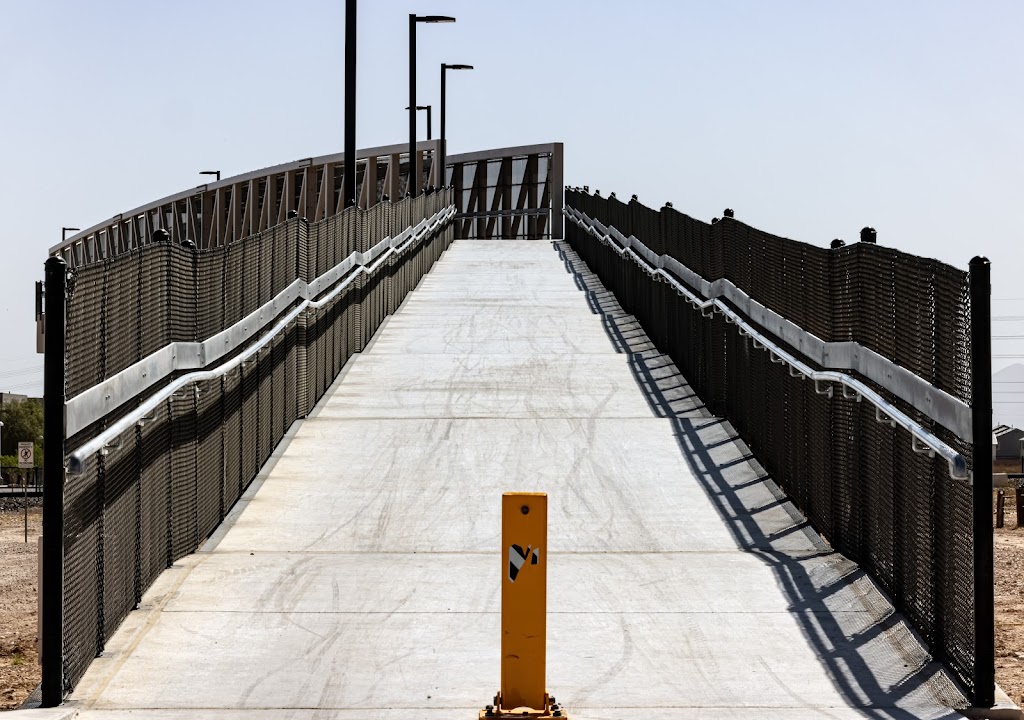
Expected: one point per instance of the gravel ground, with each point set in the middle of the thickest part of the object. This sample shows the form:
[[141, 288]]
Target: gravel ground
[[19, 663], [1009, 573]]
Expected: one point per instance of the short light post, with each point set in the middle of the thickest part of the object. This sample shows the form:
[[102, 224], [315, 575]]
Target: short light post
[[444, 148], [414, 181], [429, 109], [350, 104]]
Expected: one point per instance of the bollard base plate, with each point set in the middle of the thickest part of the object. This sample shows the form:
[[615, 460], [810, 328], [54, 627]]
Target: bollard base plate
[[497, 712]]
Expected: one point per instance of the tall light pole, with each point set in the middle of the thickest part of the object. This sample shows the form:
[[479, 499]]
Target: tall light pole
[[444, 148], [350, 103], [414, 181], [1, 437], [428, 108]]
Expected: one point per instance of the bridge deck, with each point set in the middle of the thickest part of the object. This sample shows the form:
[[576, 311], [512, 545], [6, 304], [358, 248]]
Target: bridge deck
[[360, 576]]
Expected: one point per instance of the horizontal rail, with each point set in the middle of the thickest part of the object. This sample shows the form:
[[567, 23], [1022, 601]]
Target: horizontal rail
[[498, 153], [78, 458], [922, 440]]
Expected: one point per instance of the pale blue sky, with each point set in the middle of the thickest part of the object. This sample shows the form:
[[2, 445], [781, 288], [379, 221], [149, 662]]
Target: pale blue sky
[[811, 119]]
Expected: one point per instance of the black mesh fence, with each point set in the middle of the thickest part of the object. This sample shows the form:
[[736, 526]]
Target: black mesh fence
[[859, 482], [157, 492]]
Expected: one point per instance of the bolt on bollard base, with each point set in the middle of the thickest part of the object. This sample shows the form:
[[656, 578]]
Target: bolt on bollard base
[[497, 712], [524, 539]]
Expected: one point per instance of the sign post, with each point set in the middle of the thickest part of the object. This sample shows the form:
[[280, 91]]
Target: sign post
[[26, 461]]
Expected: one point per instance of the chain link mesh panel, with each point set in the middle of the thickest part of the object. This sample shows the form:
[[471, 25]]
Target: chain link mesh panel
[[159, 494]]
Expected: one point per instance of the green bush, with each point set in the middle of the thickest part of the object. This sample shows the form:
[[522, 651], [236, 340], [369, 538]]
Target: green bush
[[23, 421]]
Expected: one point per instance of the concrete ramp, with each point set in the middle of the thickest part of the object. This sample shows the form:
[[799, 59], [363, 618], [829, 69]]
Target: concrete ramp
[[359, 578]]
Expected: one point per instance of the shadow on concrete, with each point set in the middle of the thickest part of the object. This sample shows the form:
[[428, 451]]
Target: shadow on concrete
[[876, 661]]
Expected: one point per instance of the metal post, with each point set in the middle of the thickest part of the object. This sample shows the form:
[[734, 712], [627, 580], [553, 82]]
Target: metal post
[[444, 148], [1019, 497], [52, 621], [413, 180], [524, 553], [350, 103], [981, 409], [430, 111]]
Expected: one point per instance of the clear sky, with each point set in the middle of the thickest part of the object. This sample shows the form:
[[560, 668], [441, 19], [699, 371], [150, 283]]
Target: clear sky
[[811, 119]]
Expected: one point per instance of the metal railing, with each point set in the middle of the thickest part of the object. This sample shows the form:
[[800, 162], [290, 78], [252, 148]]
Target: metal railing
[[504, 192], [922, 441], [217, 213], [188, 367], [508, 193], [766, 330]]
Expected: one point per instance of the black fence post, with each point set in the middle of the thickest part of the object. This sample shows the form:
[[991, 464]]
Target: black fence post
[[981, 409], [52, 620]]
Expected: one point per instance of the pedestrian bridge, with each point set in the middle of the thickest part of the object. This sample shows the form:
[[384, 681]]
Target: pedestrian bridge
[[357, 570]]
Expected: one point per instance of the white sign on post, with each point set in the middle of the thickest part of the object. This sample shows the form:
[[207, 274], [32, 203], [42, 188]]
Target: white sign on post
[[26, 455]]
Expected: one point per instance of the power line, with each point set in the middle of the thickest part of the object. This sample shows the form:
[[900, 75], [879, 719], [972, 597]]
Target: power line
[[24, 371]]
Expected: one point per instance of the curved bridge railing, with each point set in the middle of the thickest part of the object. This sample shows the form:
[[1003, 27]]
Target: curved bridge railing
[[513, 192]]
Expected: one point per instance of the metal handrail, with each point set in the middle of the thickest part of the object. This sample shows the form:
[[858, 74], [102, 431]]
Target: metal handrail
[[922, 440], [99, 444]]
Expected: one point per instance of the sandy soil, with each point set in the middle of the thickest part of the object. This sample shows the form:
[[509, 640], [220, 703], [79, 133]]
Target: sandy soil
[[19, 665], [1009, 567]]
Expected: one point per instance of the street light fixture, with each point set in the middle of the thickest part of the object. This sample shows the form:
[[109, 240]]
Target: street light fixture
[[413, 19], [429, 109], [211, 172], [444, 148], [64, 232]]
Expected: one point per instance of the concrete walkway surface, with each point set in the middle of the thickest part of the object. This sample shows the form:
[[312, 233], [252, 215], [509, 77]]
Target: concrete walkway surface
[[359, 579]]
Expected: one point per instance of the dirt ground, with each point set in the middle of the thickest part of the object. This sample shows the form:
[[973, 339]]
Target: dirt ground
[[1009, 573], [1007, 466], [19, 664]]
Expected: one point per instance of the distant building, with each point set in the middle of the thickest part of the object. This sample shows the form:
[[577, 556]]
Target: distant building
[[11, 398], [1008, 441]]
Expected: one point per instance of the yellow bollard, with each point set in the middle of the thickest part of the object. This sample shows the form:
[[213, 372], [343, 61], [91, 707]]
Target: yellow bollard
[[524, 538]]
